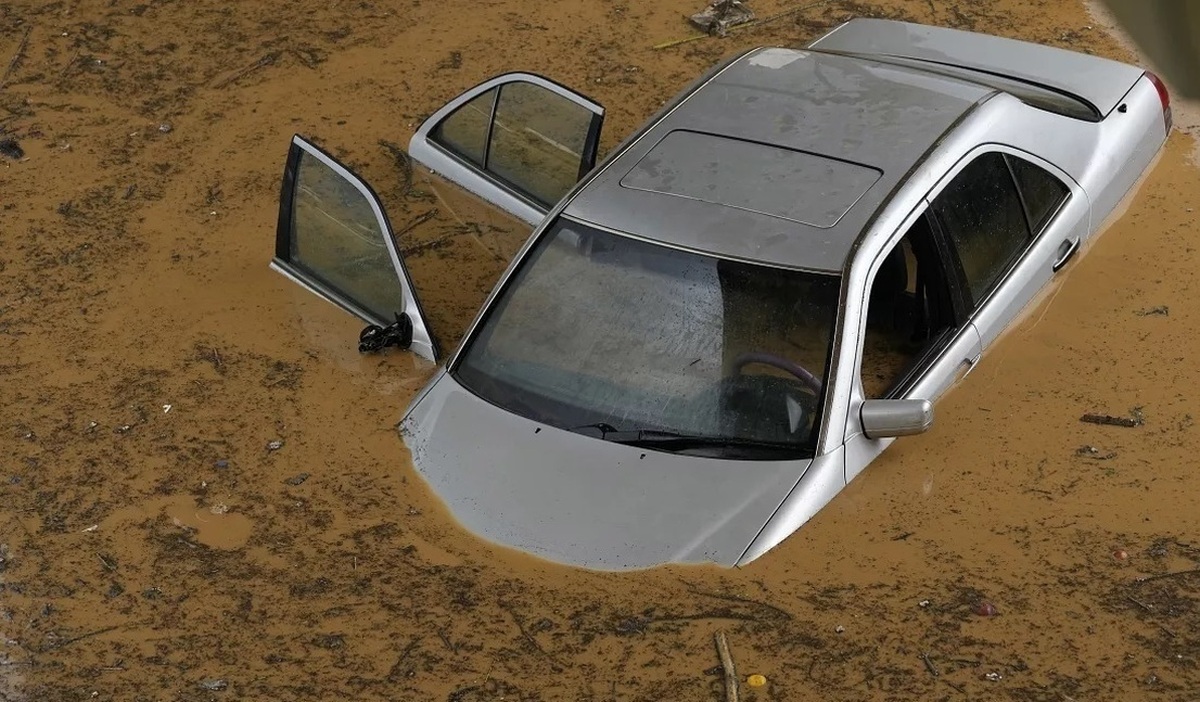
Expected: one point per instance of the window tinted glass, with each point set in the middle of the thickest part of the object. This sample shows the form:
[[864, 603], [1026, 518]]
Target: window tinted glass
[[465, 130], [538, 141], [983, 216], [1043, 192], [598, 329], [338, 239], [907, 312]]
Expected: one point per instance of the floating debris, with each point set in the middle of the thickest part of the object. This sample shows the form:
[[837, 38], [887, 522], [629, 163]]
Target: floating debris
[[10, 148], [756, 680], [297, 479], [986, 609], [1094, 453], [214, 685], [1110, 420], [275, 445], [719, 16], [1162, 310]]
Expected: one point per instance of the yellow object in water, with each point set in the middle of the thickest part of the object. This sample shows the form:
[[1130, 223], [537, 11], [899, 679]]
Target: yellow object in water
[[756, 680]]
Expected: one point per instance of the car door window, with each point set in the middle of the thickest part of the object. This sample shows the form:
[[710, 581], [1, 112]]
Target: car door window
[[519, 141], [334, 238], [910, 313], [1042, 192], [538, 141], [982, 215], [465, 131]]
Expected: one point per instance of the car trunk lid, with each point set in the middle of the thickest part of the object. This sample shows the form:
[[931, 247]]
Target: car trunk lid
[[1098, 81]]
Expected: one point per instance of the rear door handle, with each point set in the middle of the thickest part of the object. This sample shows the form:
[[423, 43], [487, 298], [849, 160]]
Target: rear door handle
[[1066, 250], [965, 368]]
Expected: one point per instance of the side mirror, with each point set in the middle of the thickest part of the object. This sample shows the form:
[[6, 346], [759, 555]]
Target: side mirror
[[882, 419]]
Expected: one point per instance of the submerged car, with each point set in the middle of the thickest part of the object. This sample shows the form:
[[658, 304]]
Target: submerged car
[[710, 333]]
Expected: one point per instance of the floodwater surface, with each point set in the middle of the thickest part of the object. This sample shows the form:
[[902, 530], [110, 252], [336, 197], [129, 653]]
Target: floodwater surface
[[203, 495]]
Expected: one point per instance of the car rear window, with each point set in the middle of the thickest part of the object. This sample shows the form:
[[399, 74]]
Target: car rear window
[[982, 213], [1042, 192]]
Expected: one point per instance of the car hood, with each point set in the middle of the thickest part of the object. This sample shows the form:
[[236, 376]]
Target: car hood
[[581, 500]]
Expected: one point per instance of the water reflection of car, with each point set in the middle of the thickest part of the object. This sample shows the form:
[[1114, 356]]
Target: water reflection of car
[[709, 334]]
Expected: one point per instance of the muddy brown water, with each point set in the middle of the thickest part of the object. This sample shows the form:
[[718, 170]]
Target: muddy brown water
[[154, 548]]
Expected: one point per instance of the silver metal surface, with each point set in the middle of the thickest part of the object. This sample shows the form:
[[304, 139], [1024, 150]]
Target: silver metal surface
[[885, 419], [594, 503], [879, 116], [582, 500], [453, 168], [422, 342], [1097, 80], [795, 185]]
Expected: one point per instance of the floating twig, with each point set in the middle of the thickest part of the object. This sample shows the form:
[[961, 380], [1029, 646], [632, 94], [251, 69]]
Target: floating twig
[[731, 679], [416, 222], [741, 600], [67, 642], [1162, 576], [1139, 603], [403, 161], [70, 63], [555, 665], [394, 672], [16, 59], [446, 641], [266, 60], [929, 664]]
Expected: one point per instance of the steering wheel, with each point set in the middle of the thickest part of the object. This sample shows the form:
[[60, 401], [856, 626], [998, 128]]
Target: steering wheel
[[806, 377]]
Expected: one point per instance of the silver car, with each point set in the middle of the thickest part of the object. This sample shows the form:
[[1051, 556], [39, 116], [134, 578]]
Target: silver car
[[710, 333]]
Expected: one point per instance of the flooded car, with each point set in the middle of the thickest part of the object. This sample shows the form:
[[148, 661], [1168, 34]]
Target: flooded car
[[710, 333]]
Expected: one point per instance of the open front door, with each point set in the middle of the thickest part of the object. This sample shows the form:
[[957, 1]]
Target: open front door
[[334, 238], [519, 141]]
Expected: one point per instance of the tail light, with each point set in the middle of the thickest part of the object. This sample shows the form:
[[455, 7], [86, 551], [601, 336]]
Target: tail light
[[1163, 96]]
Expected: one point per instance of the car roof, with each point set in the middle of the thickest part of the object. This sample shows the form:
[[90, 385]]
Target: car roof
[[782, 157]]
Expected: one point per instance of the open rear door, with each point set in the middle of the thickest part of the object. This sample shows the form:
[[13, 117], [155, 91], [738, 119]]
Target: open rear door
[[334, 238], [519, 141]]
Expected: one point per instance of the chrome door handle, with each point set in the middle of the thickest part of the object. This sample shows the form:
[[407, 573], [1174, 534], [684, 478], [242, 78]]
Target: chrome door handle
[[965, 367], [1066, 250]]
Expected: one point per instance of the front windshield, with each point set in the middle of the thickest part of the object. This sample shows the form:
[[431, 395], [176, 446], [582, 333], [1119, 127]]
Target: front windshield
[[631, 341]]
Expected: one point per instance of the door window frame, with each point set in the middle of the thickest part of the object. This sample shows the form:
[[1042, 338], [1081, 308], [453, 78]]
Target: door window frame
[[477, 178], [959, 303], [955, 262], [423, 342]]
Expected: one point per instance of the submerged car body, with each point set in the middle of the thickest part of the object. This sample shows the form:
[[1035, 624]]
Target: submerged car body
[[711, 333]]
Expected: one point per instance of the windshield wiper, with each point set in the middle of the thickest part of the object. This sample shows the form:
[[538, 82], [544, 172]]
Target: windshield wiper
[[675, 441]]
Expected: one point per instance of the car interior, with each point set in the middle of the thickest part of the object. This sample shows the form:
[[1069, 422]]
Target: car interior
[[908, 312]]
